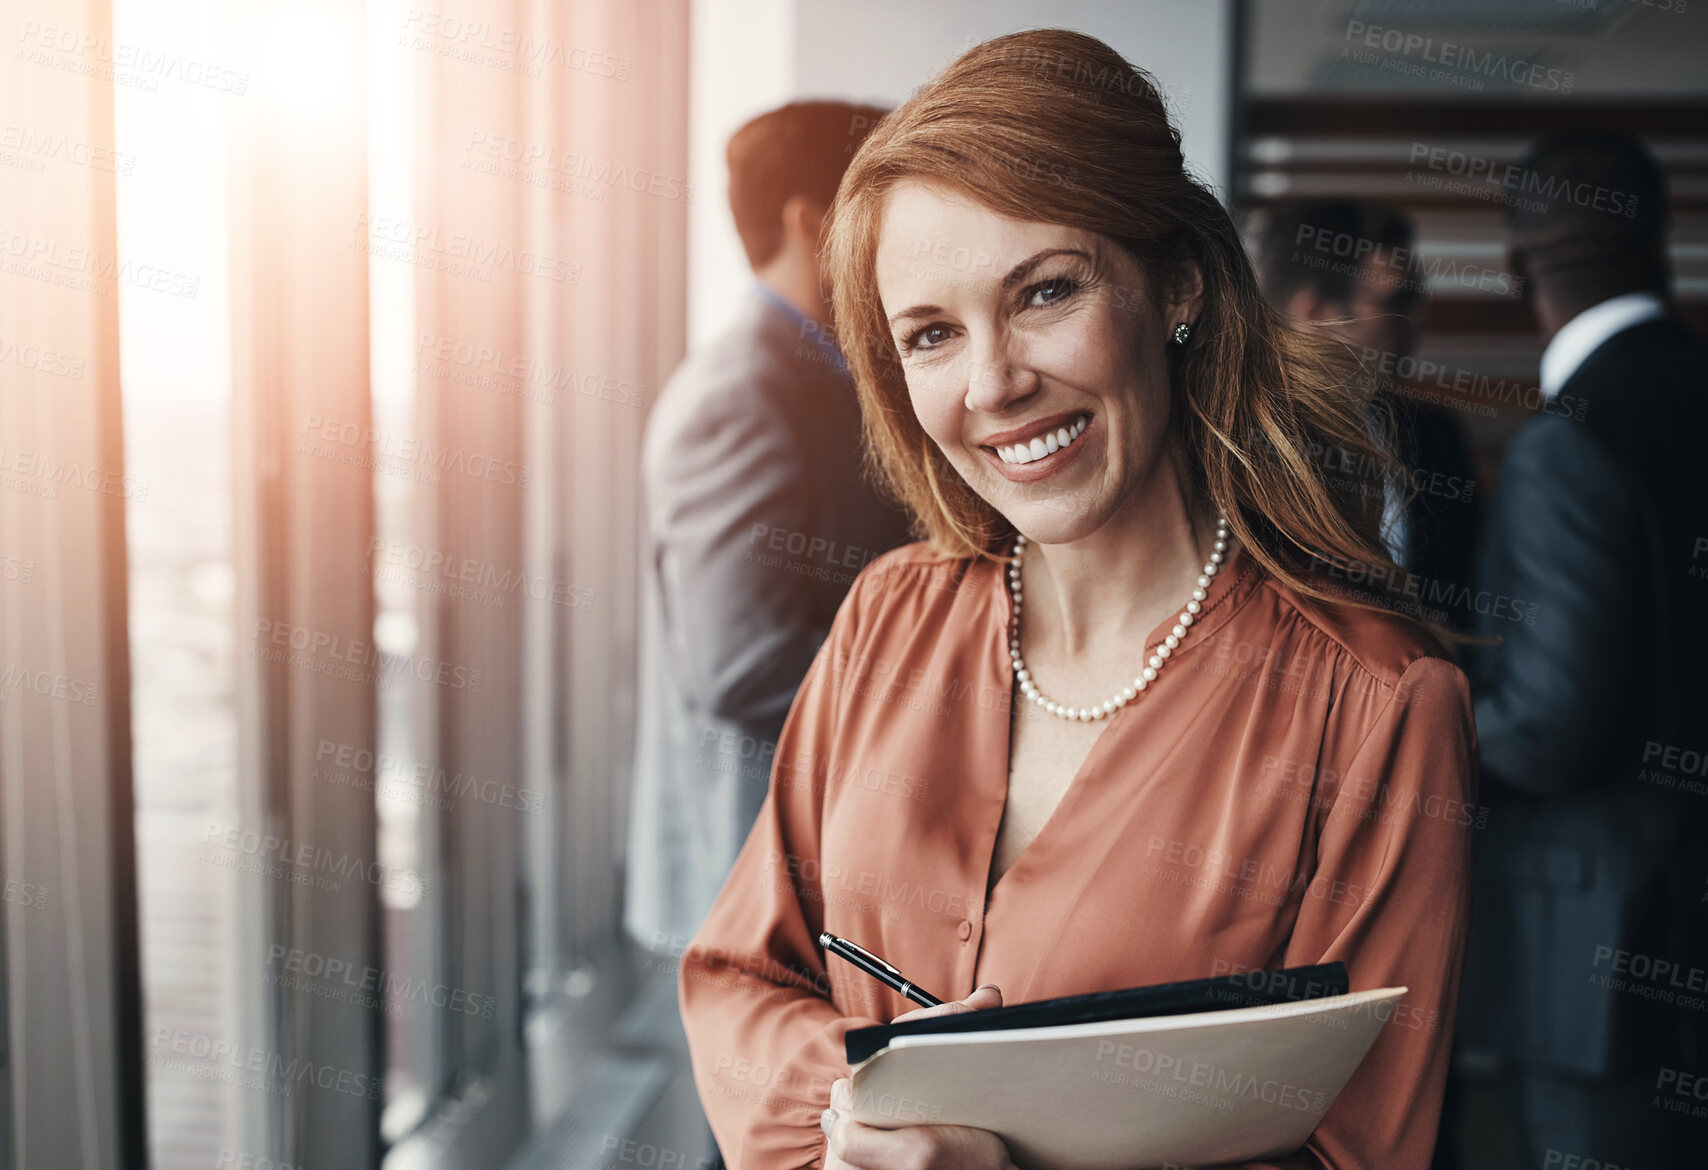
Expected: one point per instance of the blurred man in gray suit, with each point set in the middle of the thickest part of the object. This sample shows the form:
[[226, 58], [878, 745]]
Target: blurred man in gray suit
[[759, 517]]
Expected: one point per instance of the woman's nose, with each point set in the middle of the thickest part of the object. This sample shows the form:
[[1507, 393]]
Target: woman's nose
[[995, 380]]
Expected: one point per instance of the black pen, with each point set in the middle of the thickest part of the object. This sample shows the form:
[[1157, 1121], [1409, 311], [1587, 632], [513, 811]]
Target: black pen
[[876, 968]]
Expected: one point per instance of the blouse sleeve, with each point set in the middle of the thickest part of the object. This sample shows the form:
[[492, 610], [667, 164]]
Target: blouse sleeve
[[764, 1038], [1390, 897]]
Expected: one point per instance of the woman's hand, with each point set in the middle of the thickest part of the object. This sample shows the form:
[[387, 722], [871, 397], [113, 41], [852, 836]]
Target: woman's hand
[[852, 1146], [986, 997]]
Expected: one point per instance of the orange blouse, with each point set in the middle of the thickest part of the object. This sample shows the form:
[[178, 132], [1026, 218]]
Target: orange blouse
[[1294, 788]]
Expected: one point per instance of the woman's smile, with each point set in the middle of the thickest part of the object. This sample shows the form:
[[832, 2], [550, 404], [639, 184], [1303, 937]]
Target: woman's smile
[[1039, 449]]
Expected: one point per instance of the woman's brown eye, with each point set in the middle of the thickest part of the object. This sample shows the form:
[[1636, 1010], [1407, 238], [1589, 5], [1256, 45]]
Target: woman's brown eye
[[929, 337]]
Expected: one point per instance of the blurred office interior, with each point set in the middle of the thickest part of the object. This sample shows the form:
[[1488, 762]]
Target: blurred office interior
[[328, 330]]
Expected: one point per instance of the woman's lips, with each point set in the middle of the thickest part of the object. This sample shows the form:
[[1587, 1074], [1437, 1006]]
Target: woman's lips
[[1049, 462]]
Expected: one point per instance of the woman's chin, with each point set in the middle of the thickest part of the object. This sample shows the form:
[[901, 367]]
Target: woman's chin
[[1060, 519]]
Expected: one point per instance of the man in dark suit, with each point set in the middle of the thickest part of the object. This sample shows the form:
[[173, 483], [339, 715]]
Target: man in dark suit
[[759, 516], [1589, 881], [1348, 268]]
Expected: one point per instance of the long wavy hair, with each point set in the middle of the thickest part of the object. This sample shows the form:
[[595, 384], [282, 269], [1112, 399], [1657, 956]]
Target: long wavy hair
[[1055, 126]]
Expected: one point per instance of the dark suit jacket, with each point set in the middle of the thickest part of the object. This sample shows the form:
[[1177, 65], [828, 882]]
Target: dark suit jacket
[[758, 518], [1441, 523], [1597, 524]]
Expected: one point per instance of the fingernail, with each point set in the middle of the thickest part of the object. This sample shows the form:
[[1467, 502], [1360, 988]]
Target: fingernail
[[827, 1120], [992, 986]]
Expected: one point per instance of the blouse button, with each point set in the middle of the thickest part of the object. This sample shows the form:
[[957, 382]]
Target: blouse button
[[965, 930]]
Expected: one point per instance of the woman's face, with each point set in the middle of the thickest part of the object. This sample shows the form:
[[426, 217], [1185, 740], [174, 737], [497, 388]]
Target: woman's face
[[1034, 358]]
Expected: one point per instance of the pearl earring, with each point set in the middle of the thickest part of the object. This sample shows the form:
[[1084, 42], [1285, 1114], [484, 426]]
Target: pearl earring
[[1182, 331]]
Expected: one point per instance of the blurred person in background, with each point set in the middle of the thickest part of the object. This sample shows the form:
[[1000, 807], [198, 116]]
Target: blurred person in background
[[1348, 268], [758, 517], [1585, 715]]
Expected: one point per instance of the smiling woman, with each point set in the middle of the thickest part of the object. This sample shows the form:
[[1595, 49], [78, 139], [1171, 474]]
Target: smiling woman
[[1129, 231], [1067, 373]]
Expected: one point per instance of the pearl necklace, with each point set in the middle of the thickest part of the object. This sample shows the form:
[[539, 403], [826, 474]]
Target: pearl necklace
[[1148, 675]]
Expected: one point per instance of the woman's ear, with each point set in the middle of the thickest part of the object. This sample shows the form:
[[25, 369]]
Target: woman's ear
[[1187, 302]]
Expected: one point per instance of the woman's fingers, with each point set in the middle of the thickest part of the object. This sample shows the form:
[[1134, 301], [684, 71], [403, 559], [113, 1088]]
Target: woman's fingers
[[851, 1146], [939, 1147], [837, 1116], [986, 997]]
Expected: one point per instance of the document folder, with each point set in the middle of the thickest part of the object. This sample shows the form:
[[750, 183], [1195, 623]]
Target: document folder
[[1201, 1081]]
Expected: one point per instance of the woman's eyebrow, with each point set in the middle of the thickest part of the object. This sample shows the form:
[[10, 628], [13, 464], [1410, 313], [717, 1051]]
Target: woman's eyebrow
[[915, 311], [1025, 268], [1015, 275]]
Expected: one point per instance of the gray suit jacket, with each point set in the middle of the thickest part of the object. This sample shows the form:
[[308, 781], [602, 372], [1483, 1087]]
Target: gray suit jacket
[[759, 517]]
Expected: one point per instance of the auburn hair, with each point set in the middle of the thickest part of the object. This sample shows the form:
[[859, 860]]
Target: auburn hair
[[1055, 126]]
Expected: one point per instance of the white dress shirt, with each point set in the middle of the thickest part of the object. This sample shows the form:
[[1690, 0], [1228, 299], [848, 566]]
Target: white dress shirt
[[1585, 333]]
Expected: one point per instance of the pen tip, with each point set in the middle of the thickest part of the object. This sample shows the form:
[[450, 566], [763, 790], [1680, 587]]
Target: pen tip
[[824, 938]]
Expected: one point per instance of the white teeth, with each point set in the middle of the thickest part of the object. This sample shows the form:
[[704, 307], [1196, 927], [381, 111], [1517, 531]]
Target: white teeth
[[1046, 444]]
